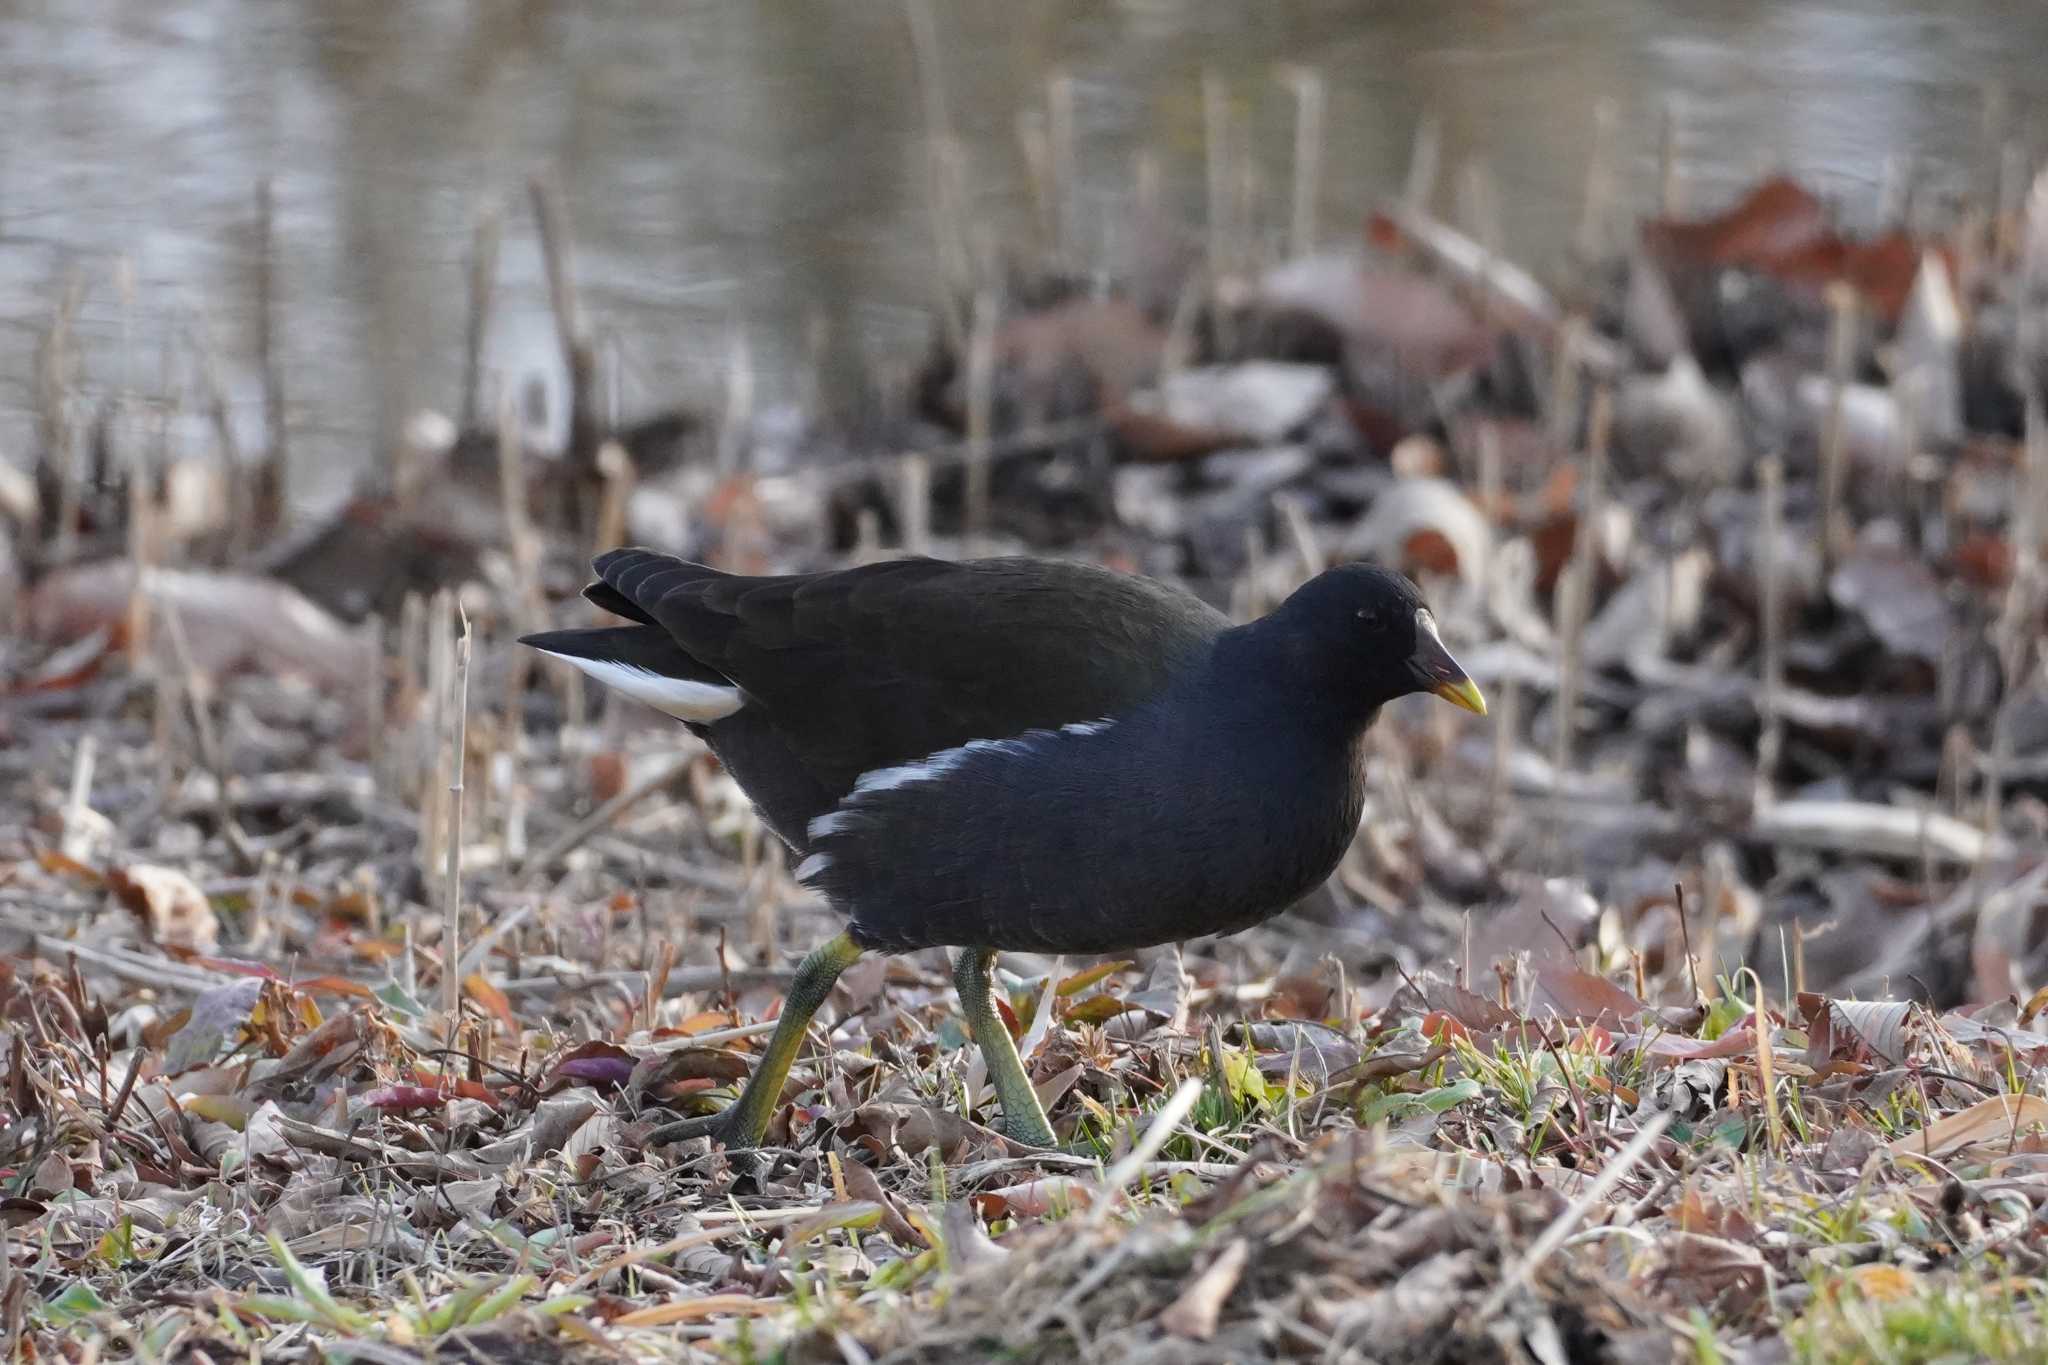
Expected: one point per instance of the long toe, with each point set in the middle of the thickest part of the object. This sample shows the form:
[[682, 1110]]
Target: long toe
[[723, 1128]]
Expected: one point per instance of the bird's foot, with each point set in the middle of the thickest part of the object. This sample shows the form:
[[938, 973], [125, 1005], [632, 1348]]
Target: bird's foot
[[725, 1129], [1029, 1128]]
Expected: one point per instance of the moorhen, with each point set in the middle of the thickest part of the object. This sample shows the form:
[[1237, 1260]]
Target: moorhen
[[1016, 754]]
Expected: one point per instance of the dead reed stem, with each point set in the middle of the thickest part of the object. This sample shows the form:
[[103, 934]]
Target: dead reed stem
[[2015, 632], [1424, 158], [578, 358], [1833, 441], [1031, 145], [1576, 592], [1770, 555], [56, 374], [483, 276], [1506, 731], [914, 503], [432, 760], [72, 836], [529, 608], [981, 379], [1059, 138], [1670, 185], [220, 413], [273, 480], [1597, 212], [1310, 103], [451, 923], [945, 169], [1490, 491], [615, 467], [739, 399], [1480, 209], [375, 704], [1216, 145]]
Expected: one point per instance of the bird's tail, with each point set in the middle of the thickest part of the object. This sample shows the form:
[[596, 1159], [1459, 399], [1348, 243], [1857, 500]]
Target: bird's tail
[[648, 666]]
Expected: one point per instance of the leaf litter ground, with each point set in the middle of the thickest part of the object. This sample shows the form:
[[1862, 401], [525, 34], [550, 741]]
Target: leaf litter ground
[[258, 1104]]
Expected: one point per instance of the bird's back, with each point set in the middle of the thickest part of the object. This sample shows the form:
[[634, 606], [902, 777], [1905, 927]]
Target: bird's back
[[835, 675]]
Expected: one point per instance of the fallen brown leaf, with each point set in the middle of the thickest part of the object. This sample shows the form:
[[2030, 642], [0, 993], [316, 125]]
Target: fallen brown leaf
[[173, 910], [1195, 1313]]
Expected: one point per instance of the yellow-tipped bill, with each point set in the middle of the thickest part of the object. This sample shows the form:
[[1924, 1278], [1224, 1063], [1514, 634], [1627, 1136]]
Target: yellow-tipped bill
[[1463, 692], [1438, 672]]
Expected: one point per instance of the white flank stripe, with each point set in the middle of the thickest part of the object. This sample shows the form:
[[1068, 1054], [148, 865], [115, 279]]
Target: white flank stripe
[[946, 760], [827, 825], [812, 866], [932, 766], [678, 697]]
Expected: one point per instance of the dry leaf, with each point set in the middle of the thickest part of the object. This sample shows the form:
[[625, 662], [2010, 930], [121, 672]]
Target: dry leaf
[[1885, 1283], [2000, 1119], [1700, 1269], [1880, 1024], [696, 1310], [1581, 997], [1037, 1198], [173, 910], [1195, 1313], [217, 1016]]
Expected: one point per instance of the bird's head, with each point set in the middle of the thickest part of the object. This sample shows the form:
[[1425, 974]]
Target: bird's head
[[1367, 630]]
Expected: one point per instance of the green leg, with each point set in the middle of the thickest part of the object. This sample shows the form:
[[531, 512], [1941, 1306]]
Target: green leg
[[1023, 1116], [745, 1123]]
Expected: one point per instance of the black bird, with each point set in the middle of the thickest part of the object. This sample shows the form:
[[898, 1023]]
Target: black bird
[[1017, 754]]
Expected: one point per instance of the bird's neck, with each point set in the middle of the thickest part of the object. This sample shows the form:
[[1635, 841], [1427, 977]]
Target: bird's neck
[[1284, 676]]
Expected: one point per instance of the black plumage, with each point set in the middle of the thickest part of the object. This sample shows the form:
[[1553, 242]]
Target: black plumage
[[1025, 754]]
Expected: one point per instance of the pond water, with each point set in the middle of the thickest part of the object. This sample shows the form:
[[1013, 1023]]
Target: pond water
[[751, 177]]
